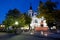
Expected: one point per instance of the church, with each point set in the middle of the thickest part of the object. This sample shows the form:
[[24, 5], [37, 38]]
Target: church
[[37, 23]]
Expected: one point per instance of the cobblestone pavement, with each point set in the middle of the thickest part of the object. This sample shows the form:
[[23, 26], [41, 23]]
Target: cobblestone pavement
[[23, 36]]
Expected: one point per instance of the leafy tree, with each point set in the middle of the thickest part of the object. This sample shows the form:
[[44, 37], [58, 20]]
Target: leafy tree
[[51, 6], [15, 13], [28, 19], [11, 17], [46, 9], [22, 20], [9, 21]]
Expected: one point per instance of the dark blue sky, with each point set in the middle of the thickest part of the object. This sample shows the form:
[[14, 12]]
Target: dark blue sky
[[22, 5]]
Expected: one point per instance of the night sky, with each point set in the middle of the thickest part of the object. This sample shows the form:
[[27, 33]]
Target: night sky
[[21, 5]]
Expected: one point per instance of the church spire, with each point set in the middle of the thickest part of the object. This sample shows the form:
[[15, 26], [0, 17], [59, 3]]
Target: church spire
[[30, 6]]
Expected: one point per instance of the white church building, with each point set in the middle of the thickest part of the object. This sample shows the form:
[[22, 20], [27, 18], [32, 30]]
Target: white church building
[[36, 22]]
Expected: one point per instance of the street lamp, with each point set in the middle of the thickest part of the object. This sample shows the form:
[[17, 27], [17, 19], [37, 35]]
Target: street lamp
[[16, 23]]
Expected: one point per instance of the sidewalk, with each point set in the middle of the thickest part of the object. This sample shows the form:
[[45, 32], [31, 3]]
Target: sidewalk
[[54, 35], [3, 33]]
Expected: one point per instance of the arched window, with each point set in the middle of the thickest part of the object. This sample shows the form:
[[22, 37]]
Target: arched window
[[36, 21]]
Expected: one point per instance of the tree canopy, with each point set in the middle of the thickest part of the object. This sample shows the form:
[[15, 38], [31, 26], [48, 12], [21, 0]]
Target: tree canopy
[[15, 15], [46, 9]]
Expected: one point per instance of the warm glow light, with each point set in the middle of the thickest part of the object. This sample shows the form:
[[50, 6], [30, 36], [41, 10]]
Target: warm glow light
[[2, 25], [25, 28], [16, 23]]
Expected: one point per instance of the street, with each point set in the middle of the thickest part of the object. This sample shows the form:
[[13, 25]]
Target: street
[[23, 36], [5, 36]]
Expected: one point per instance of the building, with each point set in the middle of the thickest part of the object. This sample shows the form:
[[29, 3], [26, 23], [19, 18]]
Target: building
[[31, 13], [37, 23]]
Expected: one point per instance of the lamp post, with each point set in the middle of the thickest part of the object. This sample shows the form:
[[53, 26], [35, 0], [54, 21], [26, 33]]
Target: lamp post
[[15, 28], [16, 23]]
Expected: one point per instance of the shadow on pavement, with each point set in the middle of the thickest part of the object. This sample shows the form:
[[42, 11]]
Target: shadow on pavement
[[46, 38], [6, 36]]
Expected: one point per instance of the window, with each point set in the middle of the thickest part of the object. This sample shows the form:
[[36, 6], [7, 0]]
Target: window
[[36, 21]]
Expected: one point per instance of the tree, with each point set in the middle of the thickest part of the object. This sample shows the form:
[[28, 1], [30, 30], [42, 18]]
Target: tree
[[11, 17], [50, 6], [15, 13], [46, 9], [42, 10], [28, 19], [22, 20]]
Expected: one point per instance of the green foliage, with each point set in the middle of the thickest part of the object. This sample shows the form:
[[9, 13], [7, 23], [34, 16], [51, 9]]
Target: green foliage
[[15, 13], [51, 6], [46, 9], [28, 19], [13, 16], [9, 21], [22, 20]]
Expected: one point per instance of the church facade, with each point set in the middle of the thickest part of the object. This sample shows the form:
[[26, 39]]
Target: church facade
[[39, 23]]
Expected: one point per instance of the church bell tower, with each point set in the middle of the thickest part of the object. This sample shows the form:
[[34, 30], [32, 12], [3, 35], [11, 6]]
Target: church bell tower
[[30, 11]]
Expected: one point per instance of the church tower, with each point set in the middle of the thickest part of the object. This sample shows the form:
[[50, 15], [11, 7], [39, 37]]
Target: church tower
[[30, 11]]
